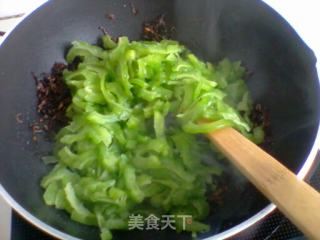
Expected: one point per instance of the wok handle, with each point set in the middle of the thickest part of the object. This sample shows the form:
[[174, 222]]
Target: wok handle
[[294, 198]]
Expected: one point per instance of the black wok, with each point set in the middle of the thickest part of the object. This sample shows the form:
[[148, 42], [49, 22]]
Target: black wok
[[283, 80]]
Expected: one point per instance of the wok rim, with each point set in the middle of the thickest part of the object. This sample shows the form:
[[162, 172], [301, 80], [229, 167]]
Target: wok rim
[[46, 228]]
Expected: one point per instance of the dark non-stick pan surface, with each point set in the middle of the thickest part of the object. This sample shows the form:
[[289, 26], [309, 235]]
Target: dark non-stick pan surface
[[283, 79]]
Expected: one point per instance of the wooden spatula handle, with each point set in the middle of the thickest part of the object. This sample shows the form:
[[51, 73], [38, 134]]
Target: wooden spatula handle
[[294, 198]]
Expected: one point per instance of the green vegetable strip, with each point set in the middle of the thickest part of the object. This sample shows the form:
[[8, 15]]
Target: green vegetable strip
[[130, 145]]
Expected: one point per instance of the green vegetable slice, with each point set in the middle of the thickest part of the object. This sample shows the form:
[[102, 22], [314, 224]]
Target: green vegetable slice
[[131, 146]]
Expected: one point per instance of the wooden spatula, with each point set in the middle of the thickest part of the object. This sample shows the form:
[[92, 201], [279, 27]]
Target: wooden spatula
[[294, 198]]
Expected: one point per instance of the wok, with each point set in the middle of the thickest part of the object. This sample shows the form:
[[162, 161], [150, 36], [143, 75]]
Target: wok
[[283, 80]]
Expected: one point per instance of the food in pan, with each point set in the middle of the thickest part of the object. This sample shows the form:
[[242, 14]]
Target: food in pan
[[133, 144]]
